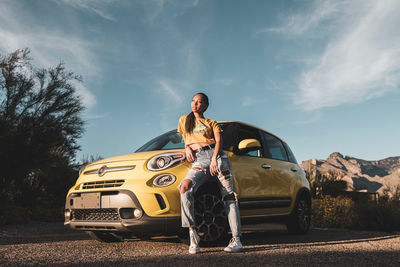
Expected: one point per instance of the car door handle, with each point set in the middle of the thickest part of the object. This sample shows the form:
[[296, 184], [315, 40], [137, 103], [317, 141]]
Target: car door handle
[[293, 169], [266, 166]]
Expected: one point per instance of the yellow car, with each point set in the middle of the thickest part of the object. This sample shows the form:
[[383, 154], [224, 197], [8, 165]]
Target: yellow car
[[136, 194]]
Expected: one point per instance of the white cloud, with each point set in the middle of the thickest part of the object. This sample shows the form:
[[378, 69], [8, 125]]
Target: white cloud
[[157, 9], [312, 118], [223, 82], [300, 23], [179, 63], [251, 101], [95, 6], [362, 63], [88, 116], [271, 85], [361, 59], [172, 102], [191, 62], [171, 92], [48, 48], [88, 99]]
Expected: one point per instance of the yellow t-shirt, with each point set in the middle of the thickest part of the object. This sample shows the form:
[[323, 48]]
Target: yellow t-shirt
[[203, 131]]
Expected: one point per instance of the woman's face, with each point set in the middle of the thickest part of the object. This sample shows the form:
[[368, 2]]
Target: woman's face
[[198, 105]]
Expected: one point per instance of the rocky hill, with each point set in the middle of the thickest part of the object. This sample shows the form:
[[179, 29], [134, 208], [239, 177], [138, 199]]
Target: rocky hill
[[373, 176]]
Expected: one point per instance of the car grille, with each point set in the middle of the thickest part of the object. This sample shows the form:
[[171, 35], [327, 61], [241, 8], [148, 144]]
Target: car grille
[[103, 184], [95, 215]]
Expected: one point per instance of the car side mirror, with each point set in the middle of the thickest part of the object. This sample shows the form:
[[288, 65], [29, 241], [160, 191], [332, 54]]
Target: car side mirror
[[249, 144]]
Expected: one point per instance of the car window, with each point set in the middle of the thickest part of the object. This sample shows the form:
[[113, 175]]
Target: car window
[[273, 147], [228, 136], [291, 156], [246, 132]]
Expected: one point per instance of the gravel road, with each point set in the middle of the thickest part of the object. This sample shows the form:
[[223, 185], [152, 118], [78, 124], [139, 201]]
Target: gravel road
[[52, 244]]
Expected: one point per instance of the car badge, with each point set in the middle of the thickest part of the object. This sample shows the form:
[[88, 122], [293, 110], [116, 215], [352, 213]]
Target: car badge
[[102, 171]]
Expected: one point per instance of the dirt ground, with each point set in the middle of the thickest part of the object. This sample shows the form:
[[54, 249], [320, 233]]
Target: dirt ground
[[267, 245]]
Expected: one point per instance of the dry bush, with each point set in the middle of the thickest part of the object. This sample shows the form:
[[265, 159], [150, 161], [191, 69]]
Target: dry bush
[[381, 215], [329, 211]]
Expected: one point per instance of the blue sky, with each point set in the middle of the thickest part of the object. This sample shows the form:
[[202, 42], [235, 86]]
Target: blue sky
[[323, 75]]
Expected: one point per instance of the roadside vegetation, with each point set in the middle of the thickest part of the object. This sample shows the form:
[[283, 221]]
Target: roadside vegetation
[[334, 207], [40, 123]]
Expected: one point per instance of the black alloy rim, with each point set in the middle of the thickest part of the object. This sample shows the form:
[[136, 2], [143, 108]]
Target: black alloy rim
[[210, 216], [303, 214]]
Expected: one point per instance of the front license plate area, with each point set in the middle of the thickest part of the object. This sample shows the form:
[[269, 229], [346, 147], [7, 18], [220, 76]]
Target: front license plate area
[[90, 201]]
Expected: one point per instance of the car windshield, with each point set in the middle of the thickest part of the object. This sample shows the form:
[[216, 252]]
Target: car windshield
[[169, 140]]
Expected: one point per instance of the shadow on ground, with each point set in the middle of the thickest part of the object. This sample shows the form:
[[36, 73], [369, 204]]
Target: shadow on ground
[[38, 232], [254, 236], [326, 258], [264, 245]]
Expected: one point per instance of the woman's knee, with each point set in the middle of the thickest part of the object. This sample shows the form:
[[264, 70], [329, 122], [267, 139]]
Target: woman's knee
[[186, 185], [225, 178]]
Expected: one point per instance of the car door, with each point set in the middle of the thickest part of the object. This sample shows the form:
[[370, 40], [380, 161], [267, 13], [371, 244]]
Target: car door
[[282, 172], [252, 181], [247, 166]]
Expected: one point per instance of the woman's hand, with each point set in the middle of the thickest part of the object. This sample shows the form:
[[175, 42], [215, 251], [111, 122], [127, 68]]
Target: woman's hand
[[213, 166], [189, 154]]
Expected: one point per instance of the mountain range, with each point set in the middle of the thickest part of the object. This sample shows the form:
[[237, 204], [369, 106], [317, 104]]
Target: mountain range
[[372, 176]]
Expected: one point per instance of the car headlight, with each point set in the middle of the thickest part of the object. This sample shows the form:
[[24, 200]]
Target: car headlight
[[164, 180], [165, 161]]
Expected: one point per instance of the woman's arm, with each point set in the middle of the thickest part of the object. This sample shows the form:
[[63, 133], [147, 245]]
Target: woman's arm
[[218, 146], [188, 152]]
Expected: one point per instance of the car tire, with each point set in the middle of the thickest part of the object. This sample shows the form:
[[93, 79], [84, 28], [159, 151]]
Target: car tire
[[211, 217], [300, 219], [105, 237]]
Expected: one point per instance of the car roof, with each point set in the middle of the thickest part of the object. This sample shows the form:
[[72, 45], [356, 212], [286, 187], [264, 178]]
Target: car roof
[[258, 128]]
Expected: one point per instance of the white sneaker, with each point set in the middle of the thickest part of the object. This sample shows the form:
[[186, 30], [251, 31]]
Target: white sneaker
[[234, 245], [194, 247]]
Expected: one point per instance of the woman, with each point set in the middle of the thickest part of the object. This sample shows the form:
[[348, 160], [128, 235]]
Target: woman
[[203, 147]]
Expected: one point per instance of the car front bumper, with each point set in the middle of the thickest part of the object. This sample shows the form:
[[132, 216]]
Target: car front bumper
[[116, 211]]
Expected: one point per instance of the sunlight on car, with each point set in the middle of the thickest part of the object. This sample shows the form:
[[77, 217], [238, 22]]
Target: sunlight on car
[[136, 194]]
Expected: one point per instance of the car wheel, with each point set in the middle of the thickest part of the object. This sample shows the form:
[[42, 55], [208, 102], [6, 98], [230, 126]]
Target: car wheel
[[105, 237], [300, 220], [210, 217]]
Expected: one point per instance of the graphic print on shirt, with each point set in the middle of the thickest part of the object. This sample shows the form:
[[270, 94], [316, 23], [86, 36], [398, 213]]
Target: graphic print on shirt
[[200, 128]]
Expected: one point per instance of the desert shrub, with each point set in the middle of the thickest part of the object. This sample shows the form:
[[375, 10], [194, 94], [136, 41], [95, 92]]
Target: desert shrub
[[329, 211], [327, 184], [13, 214], [48, 214], [334, 188], [358, 213], [359, 197], [381, 215], [377, 216]]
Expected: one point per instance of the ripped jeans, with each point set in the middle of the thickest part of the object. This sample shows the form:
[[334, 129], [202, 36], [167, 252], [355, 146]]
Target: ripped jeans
[[199, 174]]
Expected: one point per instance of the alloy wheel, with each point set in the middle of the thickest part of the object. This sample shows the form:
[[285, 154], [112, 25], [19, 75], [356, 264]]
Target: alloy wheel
[[303, 215], [211, 217]]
